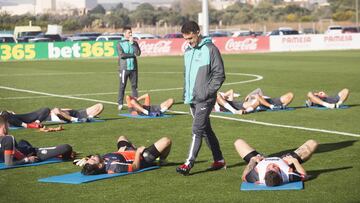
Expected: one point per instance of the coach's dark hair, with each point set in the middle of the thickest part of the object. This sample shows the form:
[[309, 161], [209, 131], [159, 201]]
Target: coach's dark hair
[[2, 119], [273, 178], [126, 28], [92, 169], [190, 27]]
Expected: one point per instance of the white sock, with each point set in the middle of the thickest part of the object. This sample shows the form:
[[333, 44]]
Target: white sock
[[271, 106], [327, 105], [216, 107], [339, 103], [230, 108], [90, 116], [249, 109], [73, 119], [146, 112], [163, 109]]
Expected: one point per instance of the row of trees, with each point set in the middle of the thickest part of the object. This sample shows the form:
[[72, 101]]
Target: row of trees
[[181, 11]]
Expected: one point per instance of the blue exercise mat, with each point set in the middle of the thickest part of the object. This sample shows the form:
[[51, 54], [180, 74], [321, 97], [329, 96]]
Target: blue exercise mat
[[222, 112], [145, 117], [64, 122], [325, 108], [272, 110], [299, 185], [15, 128], [49, 161], [78, 178]]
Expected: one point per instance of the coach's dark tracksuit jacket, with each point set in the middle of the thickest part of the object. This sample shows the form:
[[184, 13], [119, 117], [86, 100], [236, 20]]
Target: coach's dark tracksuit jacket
[[127, 52], [204, 75], [204, 72]]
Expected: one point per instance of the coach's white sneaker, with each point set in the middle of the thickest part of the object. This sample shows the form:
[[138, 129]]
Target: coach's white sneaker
[[120, 107]]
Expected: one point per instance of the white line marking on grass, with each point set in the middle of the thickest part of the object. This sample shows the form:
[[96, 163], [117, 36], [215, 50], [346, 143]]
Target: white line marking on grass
[[181, 112], [55, 95], [257, 77], [51, 74]]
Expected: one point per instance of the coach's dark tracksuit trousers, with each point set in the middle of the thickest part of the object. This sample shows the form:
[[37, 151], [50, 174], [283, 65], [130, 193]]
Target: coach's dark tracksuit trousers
[[201, 127], [133, 77]]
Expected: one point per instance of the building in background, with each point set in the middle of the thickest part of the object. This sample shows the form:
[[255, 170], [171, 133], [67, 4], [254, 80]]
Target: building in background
[[19, 9], [45, 6], [70, 7], [222, 4], [62, 7]]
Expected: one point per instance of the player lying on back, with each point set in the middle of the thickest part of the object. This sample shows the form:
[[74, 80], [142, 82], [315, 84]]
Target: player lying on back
[[322, 99], [274, 171], [127, 158], [22, 152], [35, 118], [256, 100], [142, 106]]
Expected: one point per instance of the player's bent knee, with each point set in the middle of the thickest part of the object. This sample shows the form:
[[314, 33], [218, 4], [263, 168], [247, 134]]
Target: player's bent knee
[[100, 106], [312, 143], [310, 94], [291, 95], [56, 110], [239, 142], [121, 138], [165, 141]]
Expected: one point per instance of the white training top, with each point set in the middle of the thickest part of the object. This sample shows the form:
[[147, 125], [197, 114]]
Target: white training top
[[261, 168]]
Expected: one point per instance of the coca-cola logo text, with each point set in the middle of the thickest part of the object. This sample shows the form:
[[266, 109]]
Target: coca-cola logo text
[[160, 47], [248, 44]]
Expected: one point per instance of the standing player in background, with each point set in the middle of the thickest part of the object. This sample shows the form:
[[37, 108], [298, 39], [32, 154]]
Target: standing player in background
[[204, 75], [128, 50]]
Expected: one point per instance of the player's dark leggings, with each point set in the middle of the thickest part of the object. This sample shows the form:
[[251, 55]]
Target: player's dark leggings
[[43, 153], [60, 151], [18, 119]]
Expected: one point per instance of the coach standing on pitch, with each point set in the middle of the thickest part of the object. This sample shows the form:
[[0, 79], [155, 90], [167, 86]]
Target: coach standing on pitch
[[204, 75], [127, 49]]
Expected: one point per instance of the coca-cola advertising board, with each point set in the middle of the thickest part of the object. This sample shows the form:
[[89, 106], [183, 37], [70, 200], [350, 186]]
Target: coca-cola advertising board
[[226, 45]]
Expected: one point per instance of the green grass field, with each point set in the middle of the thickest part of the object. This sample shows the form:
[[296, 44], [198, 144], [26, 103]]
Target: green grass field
[[335, 167]]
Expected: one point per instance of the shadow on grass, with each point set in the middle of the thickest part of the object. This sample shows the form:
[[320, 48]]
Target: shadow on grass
[[326, 147], [299, 107], [303, 107], [353, 105], [179, 163], [111, 119], [315, 173], [60, 123], [178, 103]]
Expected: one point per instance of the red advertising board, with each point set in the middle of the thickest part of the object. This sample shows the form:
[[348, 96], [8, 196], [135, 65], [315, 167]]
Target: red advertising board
[[226, 45]]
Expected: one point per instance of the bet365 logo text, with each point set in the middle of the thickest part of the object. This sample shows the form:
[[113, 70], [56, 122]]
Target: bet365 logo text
[[81, 50], [17, 52]]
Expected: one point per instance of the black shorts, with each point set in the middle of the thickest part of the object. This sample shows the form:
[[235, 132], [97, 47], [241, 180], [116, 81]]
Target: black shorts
[[126, 144], [153, 109], [250, 155], [238, 105], [78, 113], [274, 101], [255, 153], [149, 155], [331, 100]]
